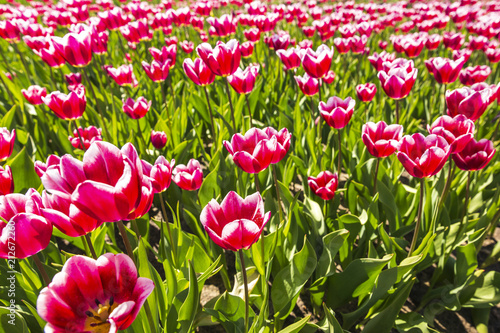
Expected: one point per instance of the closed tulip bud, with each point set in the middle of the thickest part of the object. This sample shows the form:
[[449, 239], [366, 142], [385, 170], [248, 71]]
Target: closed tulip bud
[[317, 63], [34, 94], [136, 109], [279, 42], [290, 58], [383, 44], [329, 77], [366, 92], [423, 156], [308, 85], [114, 19], [358, 44], [477, 42], [244, 81], [324, 184], [167, 53], [88, 135], [337, 112], [413, 47], [104, 293], [223, 26], [475, 155], [188, 177], [471, 75], [198, 72], [73, 79], [380, 139], [187, 46], [305, 44], [156, 71], [123, 75], [6, 181], [75, 48], [160, 173], [224, 59], [36, 43], [397, 78], [246, 49], [158, 139], [468, 102], [444, 70], [67, 107], [169, 41]]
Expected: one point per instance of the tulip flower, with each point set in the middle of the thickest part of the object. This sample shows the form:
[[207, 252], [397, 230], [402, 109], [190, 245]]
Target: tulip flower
[[329, 77], [34, 94], [307, 84], [73, 79], [10, 31], [343, 45], [224, 59], [452, 40], [224, 26], [88, 295], [137, 31], [123, 75], [378, 59], [317, 63], [494, 88], [136, 109], [156, 71], [432, 41], [167, 53], [187, 46], [477, 42], [324, 184], [337, 112], [475, 155], [67, 107], [413, 47], [423, 156], [243, 81], [246, 49], [366, 92], [160, 173], [457, 131], [188, 177], [6, 181], [358, 44], [380, 139], [51, 56], [283, 138], [171, 41], [236, 223], [75, 48], [290, 58], [471, 75], [253, 34], [466, 53], [468, 102], [198, 72], [279, 42], [113, 19], [397, 78], [88, 135], [493, 55], [158, 139], [26, 232], [254, 151], [444, 70]]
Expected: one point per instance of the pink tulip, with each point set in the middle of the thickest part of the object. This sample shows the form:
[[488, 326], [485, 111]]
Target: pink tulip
[[475, 156], [89, 135], [67, 107], [156, 71], [476, 74], [123, 75], [136, 109], [324, 184], [167, 53], [378, 59], [243, 81], [224, 59], [397, 78], [75, 48], [198, 72], [6, 181], [283, 138], [188, 177], [380, 139], [468, 102], [307, 84], [160, 173], [158, 139], [457, 131], [34, 94], [366, 92], [290, 58], [445, 70], [317, 63], [337, 112]]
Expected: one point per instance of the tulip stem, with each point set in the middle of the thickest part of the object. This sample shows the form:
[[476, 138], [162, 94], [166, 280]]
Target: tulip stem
[[277, 192], [397, 111], [465, 218], [91, 247], [419, 217], [214, 136], [493, 222], [136, 229], [249, 111], [231, 106], [139, 131], [444, 110], [245, 282], [41, 269], [339, 165], [170, 239], [8, 91], [376, 176], [494, 136], [52, 78], [444, 194], [14, 45], [79, 135], [320, 130], [126, 241], [96, 103]]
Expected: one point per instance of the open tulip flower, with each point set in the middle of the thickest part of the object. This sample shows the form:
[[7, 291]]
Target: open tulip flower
[[236, 223], [7, 140], [290, 58], [468, 102], [283, 138], [471, 75], [160, 173], [26, 232], [254, 151], [103, 295], [378, 59], [336, 111], [243, 81], [156, 71], [75, 48], [198, 72], [457, 131], [380, 139], [324, 184], [67, 107], [34, 94], [307, 84], [88, 135], [423, 156], [444, 70], [188, 177], [6, 181], [397, 78], [366, 92], [452, 40], [136, 109], [123, 75], [166, 54], [224, 59], [317, 63], [475, 155]]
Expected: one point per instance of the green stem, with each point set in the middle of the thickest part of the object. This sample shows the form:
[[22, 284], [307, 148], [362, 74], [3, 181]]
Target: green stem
[[249, 111], [444, 110], [277, 193], [419, 217], [41, 269], [376, 176], [245, 282], [28, 75], [444, 194], [214, 136], [397, 111], [339, 165], [231, 106], [91, 247], [170, 238], [139, 131], [89, 83], [126, 241]]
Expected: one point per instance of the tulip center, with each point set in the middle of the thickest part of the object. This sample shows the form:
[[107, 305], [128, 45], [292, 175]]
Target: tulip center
[[97, 318]]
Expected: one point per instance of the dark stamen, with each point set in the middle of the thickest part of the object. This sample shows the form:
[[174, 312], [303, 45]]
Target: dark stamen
[[97, 302], [111, 301], [89, 314]]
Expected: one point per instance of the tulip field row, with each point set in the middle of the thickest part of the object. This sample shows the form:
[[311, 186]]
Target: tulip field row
[[246, 166]]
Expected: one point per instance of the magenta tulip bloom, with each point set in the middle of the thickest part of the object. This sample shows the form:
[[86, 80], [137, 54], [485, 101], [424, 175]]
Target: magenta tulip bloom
[[423, 156], [468, 102], [188, 177], [329, 77], [378, 59], [445, 70], [123, 75], [243, 81], [283, 138], [26, 232], [89, 135], [136, 109], [75, 48], [290, 58], [475, 156], [343, 45], [236, 223], [452, 40], [336, 111], [252, 152], [50, 56], [366, 91], [7, 140], [198, 72], [307, 84], [103, 295], [156, 71], [397, 78], [166, 54], [380, 139], [317, 63], [67, 107], [34, 94], [224, 59], [457, 131], [476, 74], [324, 184], [6, 181], [160, 173], [158, 139]]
